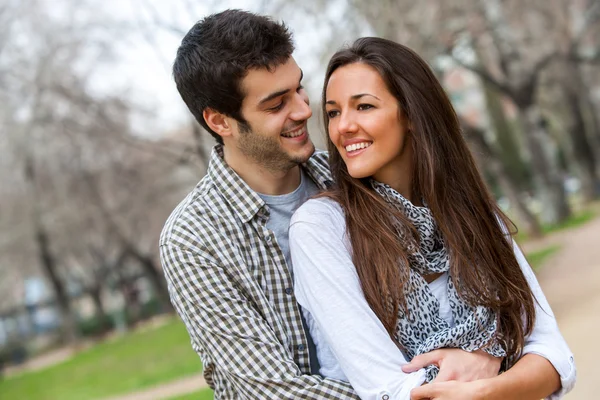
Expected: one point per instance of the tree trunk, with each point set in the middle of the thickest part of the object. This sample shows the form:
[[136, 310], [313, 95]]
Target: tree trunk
[[582, 156], [489, 159], [592, 123], [100, 311], [152, 271], [591, 115], [48, 262], [546, 172], [508, 146], [49, 265]]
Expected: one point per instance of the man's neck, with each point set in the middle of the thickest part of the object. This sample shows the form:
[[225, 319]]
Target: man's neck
[[263, 180]]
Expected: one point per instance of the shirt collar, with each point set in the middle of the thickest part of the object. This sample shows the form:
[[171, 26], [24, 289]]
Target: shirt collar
[[241, 198], [245, 201], [317, 167]]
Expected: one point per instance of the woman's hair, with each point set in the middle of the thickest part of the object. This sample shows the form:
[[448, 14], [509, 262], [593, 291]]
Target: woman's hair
[[483, 265]]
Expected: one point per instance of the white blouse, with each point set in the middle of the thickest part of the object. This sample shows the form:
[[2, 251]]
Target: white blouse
[[352, 344]]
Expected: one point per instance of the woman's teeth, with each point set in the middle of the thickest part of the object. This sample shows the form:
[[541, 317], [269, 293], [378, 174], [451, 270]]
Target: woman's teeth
[[357, 146]]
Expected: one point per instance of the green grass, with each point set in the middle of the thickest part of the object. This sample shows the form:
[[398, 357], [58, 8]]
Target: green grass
[[133, 362], [204, 394], [573, 222], [537, 258]]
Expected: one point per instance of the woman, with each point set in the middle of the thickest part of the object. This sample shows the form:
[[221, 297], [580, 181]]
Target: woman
[[408, 252]]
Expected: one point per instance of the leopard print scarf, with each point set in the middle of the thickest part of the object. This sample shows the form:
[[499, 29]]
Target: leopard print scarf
[[422, 329]]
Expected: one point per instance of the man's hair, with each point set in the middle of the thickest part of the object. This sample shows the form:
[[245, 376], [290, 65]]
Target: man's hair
[[217, 53]]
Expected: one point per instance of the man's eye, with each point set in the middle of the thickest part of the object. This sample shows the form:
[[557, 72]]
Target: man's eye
[[277, 107], [364, 106], [332, 114], [299, 88]]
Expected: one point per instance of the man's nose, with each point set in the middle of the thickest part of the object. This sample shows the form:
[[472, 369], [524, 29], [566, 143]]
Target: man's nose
[[302, 109]]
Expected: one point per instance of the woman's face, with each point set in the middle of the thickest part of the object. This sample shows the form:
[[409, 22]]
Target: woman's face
[[366, 125]]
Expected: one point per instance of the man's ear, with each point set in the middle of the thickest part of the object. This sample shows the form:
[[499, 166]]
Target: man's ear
[[219, 123]]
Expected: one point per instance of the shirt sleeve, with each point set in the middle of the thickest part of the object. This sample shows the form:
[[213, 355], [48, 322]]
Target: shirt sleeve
[[327, 285], [546, 340], [231, 335]]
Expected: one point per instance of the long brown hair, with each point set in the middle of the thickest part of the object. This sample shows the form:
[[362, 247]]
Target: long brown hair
[[483, 266]]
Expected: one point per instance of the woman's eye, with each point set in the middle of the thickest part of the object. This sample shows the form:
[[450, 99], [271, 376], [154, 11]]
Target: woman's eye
[[332, 114], [364, 106], [299, 88]]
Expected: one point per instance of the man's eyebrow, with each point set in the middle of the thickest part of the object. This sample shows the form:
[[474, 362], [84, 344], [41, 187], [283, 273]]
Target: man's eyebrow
[[272, 96], [278, 93], [354, 97]]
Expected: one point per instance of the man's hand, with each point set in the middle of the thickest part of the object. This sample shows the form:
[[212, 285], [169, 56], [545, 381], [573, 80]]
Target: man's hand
[[452, 390], [457, 365]]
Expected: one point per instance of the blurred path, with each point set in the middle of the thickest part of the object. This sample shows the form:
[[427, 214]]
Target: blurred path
[[48, 359], [178, 387], [571, 282]]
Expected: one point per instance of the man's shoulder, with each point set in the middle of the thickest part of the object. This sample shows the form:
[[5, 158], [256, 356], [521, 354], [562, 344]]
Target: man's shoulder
[[320, 158], [318, 168], [196, 218]]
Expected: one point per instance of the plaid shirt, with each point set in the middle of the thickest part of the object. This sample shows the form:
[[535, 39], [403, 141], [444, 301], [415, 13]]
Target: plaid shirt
[[230, 284]]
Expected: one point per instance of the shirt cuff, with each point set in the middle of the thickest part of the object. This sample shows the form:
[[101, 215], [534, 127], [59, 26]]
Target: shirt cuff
[[411, 381], [563, 364]]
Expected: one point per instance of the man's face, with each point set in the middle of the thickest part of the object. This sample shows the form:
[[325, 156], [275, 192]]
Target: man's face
[[276, 109]]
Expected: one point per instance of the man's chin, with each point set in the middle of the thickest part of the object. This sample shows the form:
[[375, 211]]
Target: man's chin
[[305, 154]]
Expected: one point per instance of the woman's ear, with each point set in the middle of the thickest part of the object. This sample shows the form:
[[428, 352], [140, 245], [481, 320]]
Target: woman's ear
[[218, 122]]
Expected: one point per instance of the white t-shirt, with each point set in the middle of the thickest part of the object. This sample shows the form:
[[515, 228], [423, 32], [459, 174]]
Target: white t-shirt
[[352, 344]]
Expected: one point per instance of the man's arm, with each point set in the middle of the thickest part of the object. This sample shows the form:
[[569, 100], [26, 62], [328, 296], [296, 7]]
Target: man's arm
[[229, 332], [532, 378]]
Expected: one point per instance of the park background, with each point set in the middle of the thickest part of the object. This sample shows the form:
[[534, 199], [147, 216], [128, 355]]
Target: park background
[[97, 148]]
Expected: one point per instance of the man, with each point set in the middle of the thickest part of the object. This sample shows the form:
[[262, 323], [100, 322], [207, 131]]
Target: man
[[224, 249]]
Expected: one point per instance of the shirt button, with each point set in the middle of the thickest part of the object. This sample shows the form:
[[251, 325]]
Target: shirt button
[[268, 239], [289, 291], [385, 397], [301, 347]]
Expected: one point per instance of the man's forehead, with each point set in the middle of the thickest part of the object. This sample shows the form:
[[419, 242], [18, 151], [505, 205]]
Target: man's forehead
[[259, 83]]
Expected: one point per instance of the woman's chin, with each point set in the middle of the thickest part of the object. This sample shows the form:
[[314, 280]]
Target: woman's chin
[[359, 173]]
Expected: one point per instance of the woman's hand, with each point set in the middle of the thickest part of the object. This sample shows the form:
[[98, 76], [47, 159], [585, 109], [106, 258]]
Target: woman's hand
[[452, 390], [457, 365]]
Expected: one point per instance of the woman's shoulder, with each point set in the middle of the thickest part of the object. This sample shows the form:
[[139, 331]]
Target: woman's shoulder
[[320, 211]]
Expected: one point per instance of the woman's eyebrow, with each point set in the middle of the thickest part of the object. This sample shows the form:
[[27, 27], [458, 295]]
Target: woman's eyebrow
[[358, 96], [354, 97]]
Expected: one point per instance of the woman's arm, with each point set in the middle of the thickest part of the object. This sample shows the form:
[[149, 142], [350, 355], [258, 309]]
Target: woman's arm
[[546, 340], [547, 367], [532, 378], [326, 284]]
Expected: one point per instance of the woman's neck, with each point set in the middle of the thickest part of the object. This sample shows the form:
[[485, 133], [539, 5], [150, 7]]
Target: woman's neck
[[400, 182]]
